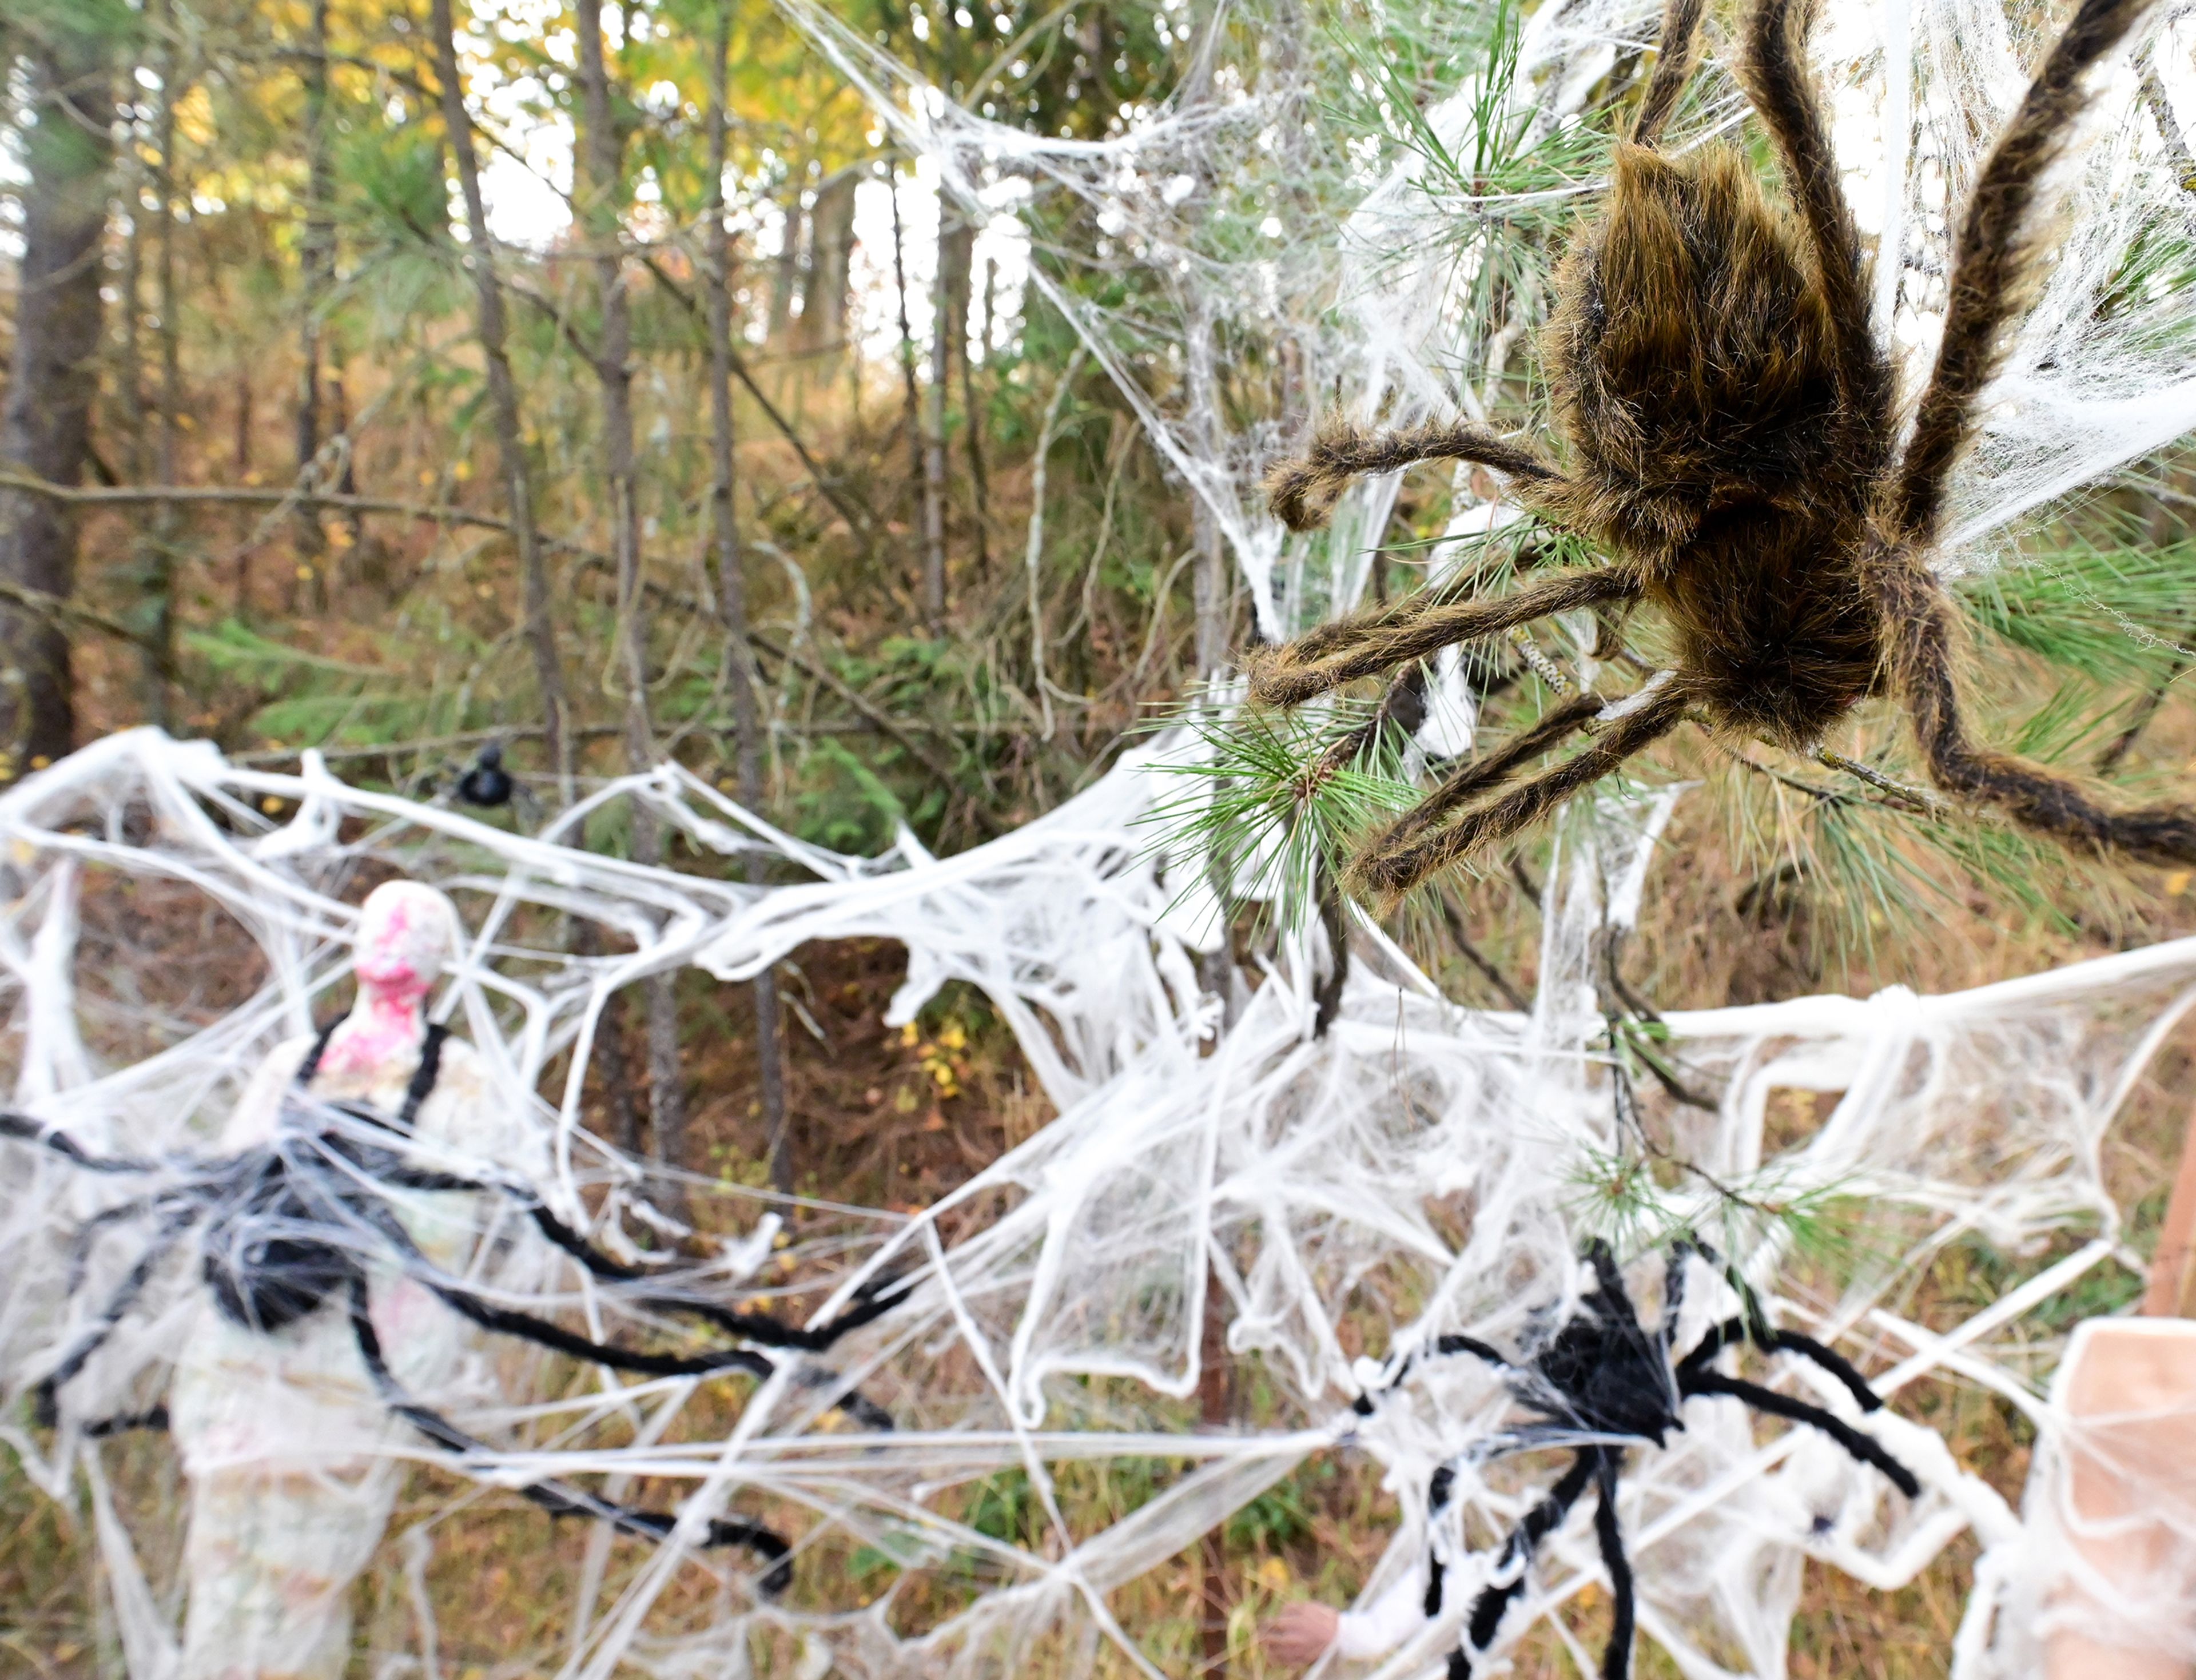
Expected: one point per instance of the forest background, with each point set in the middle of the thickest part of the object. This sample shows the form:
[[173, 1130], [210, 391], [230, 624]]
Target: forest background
[[610, 382]]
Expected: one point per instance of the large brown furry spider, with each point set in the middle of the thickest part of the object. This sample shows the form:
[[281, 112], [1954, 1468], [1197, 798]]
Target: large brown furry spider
[[1731, 421]]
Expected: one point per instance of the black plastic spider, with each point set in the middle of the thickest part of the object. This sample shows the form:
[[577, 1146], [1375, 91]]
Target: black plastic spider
[[1599, 1384], [1733, 428], [285, 1230]]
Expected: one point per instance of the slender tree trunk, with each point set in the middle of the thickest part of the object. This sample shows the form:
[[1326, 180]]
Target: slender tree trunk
[[503, 401], [316, 263], [952, 248], [731, 583], [45, 426], [785, 274], [1215, 1410], [916, 477], [156, 569], [972, 415], [240, 473], [1211, 589], [131, 379], [826, 287], [601, 169]]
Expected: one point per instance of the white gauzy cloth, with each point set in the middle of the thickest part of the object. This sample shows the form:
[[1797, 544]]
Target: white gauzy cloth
[[285, 1440]]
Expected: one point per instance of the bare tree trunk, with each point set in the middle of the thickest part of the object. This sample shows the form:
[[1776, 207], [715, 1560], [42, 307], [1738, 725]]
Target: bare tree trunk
[[1216, 1409], [316, 263], [1211, 587], [972, 415], [915, 453], [503, 399], [826, 289], [785, 276], [156, 567], [731, 581], [45, 427], [601, 169], [953, 238]]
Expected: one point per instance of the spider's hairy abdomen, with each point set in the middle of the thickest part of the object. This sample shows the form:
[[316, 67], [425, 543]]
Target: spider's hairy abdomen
[[1693, 358], [1694, 369]]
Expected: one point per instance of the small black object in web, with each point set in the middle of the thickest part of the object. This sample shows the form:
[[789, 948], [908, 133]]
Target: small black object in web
[[487, 782]]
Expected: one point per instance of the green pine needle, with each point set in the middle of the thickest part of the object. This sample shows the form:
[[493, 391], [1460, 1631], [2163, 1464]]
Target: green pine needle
[[1274, 807]]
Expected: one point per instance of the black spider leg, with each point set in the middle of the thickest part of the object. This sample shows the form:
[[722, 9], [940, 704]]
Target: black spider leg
[[1437, 1496], [1673, 1291], [510, 1321], [1495, 1598], [851, 1401], [555, 1497], [386, 1170], [1732, 1331], [87, 1233], [45, 1406], [1616, 1655], [1442, 1347], [871, 1301], [1864, 1447], [1749, 1299], [27, 1129]]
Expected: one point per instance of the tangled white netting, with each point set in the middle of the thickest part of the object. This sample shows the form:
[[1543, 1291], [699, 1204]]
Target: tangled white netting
[[1419, 1153]]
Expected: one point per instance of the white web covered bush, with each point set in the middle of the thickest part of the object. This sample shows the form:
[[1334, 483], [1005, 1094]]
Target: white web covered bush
[[1417, 1171]]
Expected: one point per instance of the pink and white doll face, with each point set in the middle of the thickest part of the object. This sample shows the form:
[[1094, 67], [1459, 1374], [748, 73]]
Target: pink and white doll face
[[406, 933]]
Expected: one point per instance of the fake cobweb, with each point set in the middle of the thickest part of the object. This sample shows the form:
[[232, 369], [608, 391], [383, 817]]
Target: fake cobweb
[[1416, 1171], [1419, 1161]]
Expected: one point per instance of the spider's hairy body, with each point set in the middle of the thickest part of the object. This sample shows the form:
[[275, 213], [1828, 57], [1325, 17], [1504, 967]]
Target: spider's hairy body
[[1728, 419], [1694, 376]]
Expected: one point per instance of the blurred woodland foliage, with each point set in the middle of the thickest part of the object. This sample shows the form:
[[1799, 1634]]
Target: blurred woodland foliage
[[424, 500]]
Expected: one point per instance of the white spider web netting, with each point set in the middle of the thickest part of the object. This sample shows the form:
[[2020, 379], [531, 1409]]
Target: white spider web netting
[[1420, 1166], [1421, 1156]]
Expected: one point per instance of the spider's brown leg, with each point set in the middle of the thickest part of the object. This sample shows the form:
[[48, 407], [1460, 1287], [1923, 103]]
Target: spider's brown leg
[[1918, 632], [1304, 491], [1396, 870], [1864, 1447], [1494, 1599], [1775, 74], [1366, 646], [1616, 1656], [1675, 49], [1475, 776], [1993, 262]]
